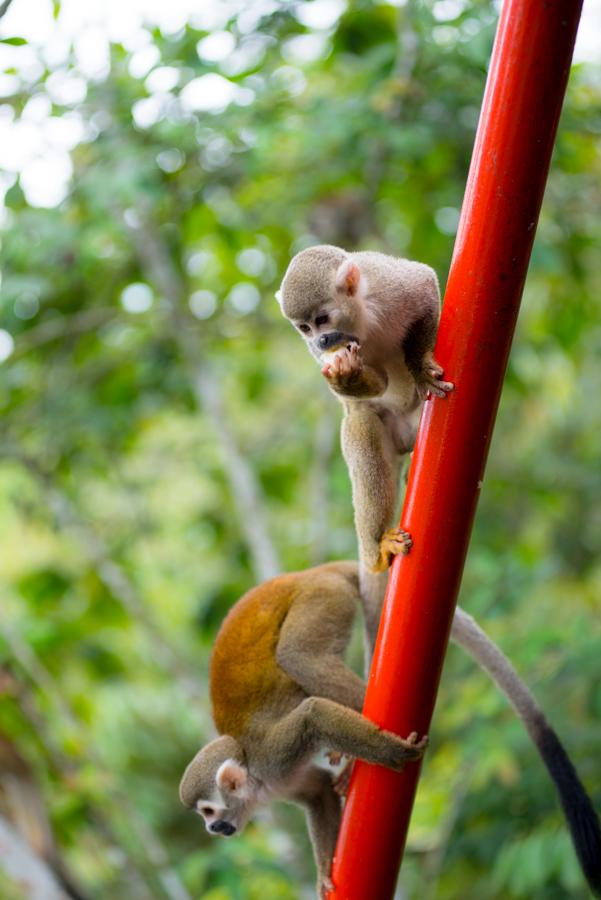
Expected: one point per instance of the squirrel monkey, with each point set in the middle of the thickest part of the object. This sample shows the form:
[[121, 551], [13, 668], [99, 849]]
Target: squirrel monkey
[[281, 692], [370, 320]]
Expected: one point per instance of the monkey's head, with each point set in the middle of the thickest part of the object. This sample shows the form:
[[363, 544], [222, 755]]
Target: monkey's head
[[218, 786], [322, 295]]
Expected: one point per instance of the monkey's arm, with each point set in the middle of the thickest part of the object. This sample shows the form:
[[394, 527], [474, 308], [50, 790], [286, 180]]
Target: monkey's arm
[[348, 376], [317, 722], [418, 347]]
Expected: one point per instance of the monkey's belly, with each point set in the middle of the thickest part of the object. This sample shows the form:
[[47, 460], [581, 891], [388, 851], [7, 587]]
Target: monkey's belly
[[401, 425]]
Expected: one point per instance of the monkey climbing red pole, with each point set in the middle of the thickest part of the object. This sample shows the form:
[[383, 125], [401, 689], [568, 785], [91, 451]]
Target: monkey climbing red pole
[[522, 102]]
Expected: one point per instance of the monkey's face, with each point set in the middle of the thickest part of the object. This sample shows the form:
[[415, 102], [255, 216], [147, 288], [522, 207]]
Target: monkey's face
[[220, 788], [325, 304], [326, 332], [229, 806]]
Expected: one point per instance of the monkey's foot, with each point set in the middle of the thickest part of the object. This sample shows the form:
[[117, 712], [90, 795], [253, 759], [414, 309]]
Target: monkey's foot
[[342, 781], [325, 885], [430, 380], [392, 543]]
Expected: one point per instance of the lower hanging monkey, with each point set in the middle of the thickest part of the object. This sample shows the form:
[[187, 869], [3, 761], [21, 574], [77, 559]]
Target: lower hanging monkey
[[281, 692]]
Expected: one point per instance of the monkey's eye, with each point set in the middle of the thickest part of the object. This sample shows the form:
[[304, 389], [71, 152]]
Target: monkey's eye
[[206, 810], [322, 320], [304, 328]]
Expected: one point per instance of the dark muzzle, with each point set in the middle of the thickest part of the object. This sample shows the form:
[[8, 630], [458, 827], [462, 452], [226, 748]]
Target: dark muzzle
[[333, 339], [224, 828]]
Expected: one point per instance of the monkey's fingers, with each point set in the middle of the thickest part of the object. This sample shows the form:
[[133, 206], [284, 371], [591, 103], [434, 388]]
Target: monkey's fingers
[[354, 351], [412, 739], [408, 751], [342, 781], [431, 386], [433, 369], [394, 542], [344, 368], [412, 748], [348, 360], [441, 388]]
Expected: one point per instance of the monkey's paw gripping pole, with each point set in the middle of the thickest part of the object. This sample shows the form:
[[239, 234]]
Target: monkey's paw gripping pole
[[522, 102]]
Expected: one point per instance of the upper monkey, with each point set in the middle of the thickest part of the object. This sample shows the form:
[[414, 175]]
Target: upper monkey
[[371, 320]]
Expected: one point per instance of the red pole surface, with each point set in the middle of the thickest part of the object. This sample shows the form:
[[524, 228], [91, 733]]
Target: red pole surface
[[521, 107]]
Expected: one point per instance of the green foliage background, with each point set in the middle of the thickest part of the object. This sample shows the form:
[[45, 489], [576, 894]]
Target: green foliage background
[[156, 464]]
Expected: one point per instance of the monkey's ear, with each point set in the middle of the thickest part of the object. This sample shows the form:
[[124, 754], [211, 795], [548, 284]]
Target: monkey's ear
[[278, 297], [232, 777], [348, 277]]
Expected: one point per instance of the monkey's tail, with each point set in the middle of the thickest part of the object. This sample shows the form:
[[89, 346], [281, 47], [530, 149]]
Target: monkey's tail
[[579, 812], [372, 587]]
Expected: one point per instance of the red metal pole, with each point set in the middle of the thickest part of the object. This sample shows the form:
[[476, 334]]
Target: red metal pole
[[521, 107]]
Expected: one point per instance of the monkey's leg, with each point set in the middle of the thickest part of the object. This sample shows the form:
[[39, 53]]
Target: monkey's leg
[[418, 348], [323, 808], [373, 462], [317, 722], [315, 634]]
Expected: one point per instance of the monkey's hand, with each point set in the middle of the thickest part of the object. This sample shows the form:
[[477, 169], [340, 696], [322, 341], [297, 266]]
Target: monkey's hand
[[413, 748], [342, 781], [429, 380], [347, 375], [345, 367], [392, 543]]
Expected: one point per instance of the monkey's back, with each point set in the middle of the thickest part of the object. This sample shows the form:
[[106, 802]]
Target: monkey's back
[[243, 669]]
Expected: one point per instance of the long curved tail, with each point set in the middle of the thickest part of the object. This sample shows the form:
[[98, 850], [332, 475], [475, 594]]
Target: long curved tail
[[579, 812]]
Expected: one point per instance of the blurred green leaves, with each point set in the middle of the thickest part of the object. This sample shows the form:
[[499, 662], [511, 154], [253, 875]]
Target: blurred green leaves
[[166, 440]]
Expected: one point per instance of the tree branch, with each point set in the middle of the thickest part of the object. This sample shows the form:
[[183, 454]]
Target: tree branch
[[112, 575], [24, 867], [60, 326], [141, 885], [158, 268], [155, 852]]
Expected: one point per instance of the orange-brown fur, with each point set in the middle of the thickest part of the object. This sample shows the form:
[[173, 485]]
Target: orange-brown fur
[[243, 665]]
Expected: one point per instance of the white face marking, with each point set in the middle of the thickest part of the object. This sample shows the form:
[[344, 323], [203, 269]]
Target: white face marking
[[212, 808]]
